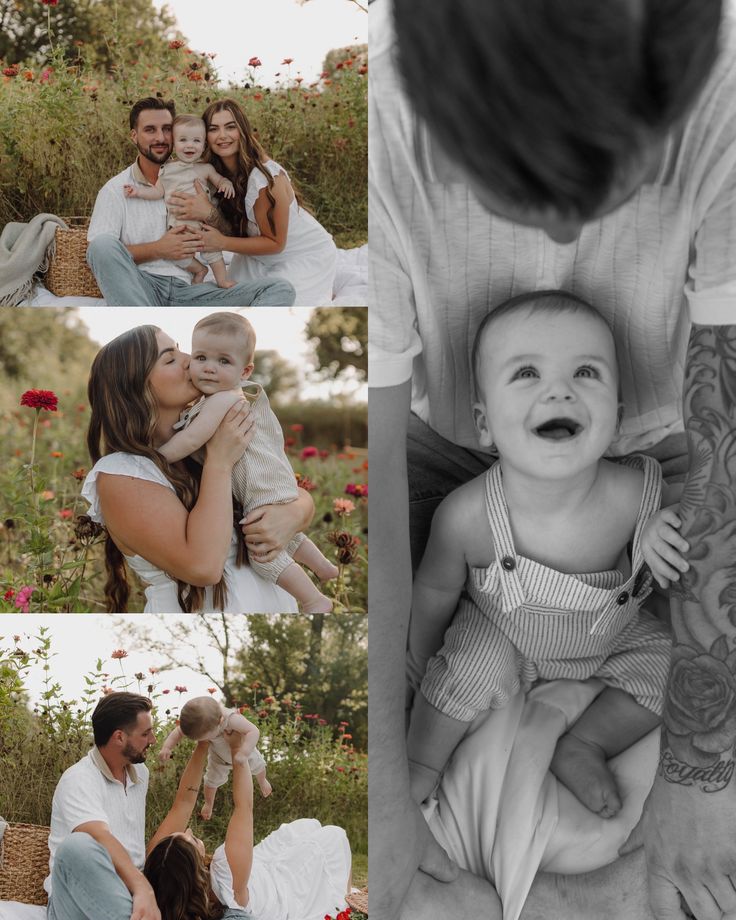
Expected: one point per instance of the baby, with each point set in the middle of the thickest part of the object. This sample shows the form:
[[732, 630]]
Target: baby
[[535, 570], [204, 719], [179, 175], [223, 346]]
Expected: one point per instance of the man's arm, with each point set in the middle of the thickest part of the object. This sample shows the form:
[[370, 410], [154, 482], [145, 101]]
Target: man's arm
[[201, 428], [689, 830], [144, 900]]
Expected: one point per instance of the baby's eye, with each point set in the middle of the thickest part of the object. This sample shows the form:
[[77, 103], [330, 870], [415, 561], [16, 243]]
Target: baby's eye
[[587, 371], [525, 373], [224, 361]]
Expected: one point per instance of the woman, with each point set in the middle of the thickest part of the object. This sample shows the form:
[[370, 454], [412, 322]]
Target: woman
[[299, 872], [274, 235], [173, 522]]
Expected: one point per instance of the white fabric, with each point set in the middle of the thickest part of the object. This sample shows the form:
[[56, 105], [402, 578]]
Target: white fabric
[[503, 816], [14, 910], [300, 872], [132, 220], [247, 593], [351, 284], [440, 262], [309, 258], [84, 793]]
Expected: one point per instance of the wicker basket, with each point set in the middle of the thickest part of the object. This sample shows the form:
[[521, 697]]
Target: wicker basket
[[358, 900], [69, 274], [24, 863]]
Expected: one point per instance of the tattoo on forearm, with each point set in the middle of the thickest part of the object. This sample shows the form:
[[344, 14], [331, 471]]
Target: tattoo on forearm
[[192, 788], [699, 731]]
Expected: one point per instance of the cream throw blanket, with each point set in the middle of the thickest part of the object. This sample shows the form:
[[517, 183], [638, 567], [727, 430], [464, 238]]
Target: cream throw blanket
[[24, 250]]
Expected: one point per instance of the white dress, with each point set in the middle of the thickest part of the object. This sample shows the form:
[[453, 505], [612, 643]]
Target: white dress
[[309, 258], [300, 872], [247, 593]]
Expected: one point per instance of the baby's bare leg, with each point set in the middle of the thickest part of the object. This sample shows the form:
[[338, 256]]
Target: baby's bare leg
[[431, 739], [612, 723], [209, 802], [263, 784], [220, 272], [296, 581], [197, 271], [312, 557]]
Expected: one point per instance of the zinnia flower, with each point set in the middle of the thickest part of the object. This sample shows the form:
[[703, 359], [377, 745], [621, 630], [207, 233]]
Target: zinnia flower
[[254, 62], [297, 426], [40, 399], [287, 61], [180, 689], [23, 598], [309, 452], [50, 2], [66, 513], [343, 506], [176, 43], [119, 653]]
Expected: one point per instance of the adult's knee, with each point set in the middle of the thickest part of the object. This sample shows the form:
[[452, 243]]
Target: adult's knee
[[284, 291], [102, 247], [75, 852]]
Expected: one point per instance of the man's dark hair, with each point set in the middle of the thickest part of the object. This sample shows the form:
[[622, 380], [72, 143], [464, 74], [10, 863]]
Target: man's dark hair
[[546, 103], [152, 102], [117, 710]]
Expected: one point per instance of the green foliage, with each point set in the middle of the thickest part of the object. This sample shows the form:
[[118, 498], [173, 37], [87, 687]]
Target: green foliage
[[312, 765], [340, 338], [64, 130]]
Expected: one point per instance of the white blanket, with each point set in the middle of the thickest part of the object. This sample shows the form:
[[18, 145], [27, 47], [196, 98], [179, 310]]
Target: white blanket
[[502, 815], [351, 285], [14, 910]]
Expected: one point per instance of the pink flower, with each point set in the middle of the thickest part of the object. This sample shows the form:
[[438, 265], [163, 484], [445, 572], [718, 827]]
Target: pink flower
[[297, 426], [309, 452], [66, 513], [23, 598], [180, 689], [45, 76], [165, 692], [254, 62], [343, 506], [358, 489], [119, 653], [40, 399], [47, 495], [212, 689]]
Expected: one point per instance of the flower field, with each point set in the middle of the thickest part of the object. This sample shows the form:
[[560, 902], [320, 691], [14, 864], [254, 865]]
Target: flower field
[[51, 554], [313, 767]]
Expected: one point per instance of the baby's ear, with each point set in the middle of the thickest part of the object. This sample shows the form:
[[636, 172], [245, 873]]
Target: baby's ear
[[482, 425], [247, 371]]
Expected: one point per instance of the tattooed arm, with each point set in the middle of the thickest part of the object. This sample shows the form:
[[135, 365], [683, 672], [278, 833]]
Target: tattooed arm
[[690, 829]]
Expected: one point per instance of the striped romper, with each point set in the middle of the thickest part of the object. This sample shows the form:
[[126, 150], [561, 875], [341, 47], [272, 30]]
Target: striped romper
[[263, 475], [519, 621]]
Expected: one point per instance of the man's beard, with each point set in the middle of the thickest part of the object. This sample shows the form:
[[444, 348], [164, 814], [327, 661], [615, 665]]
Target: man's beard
[[132, 755], [156, 158]]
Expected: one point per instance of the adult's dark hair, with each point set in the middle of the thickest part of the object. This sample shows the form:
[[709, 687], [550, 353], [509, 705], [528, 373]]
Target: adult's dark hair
[[180, 881], [123, 418], [151, 102], [117, 710], [547, 103]]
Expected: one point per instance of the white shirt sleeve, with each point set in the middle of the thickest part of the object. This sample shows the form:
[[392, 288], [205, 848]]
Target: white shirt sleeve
[[108, 215], [120, 465]]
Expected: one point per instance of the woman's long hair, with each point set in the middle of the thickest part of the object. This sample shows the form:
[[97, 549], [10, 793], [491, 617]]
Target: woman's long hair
[[180, 881], [124, 416], [251, 155]]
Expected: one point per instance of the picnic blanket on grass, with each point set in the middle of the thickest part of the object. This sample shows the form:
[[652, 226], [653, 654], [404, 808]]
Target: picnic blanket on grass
[[25, 250]]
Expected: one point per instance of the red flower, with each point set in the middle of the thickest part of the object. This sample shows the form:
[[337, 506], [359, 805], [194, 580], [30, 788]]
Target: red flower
[[254, 62], [50, 2], [268, 699], [180, 689], [11, 71], [79, 473], [309, 452], [176, 43], [9, 594], [119, 653], [66, 513], [297, 426], [263, 713], [56, 454], [212, 689], [40, 399]]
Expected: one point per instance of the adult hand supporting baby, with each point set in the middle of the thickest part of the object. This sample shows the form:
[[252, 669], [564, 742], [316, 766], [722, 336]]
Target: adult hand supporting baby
[[191, 207], [270, 528], [179, 243]]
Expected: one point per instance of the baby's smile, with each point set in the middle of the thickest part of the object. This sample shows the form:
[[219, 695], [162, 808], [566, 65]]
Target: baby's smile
[[558, 429]]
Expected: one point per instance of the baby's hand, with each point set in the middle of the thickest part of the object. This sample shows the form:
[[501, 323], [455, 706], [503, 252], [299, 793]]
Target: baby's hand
[[225, 187], [130, 191], [662, 546], [164, 755]]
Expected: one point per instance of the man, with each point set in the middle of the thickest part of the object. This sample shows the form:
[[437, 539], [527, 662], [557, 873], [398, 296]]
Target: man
[[133, 256], [98, 815], [591, 147]]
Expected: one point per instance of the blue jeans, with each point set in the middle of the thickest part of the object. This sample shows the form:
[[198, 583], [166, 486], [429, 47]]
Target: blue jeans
[[84, 883], [436, 467], [123, 284]]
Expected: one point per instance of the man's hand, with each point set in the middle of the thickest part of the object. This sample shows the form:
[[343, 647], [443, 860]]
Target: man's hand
[[179, 243], [663, 547], [144, 905], [688, 836]]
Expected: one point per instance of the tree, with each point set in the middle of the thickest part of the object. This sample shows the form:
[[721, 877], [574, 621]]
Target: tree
[[95, 28], [340, 339], [276, 375]]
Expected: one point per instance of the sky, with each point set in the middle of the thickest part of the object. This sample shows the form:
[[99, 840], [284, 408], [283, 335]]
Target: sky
[[277, 328], [270, 30], [78, 641]]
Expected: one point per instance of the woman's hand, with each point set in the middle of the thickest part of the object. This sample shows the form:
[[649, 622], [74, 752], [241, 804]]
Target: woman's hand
[[269, 529], [234, 433], [214, 241], [191, 207]]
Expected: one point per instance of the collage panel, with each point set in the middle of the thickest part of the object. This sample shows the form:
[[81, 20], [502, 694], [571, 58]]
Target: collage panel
[[191, 459], [225, 754], [166, 158]]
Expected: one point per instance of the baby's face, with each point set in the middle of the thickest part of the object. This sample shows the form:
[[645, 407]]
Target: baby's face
[[549, 392], [217, 362], [189, 142]]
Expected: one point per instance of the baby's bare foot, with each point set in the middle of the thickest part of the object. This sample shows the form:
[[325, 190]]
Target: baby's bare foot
[[326, 571], [581, 766], [264, 785], [206, 812], [320, 604], [199, 276], [226, 284]]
